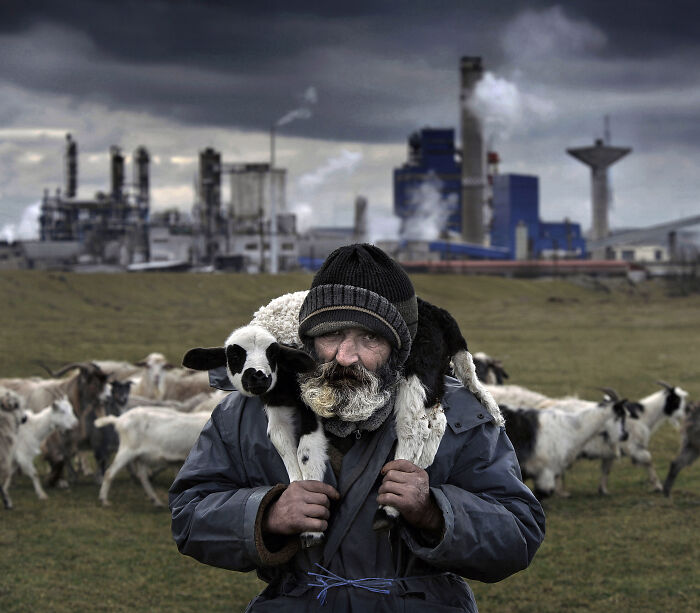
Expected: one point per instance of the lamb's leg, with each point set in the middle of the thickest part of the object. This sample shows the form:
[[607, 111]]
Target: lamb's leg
[[6, 500], [312, 455], [281, 431], [142, 473], [412, 431], [437, 422], [687, 456], [122, 458]]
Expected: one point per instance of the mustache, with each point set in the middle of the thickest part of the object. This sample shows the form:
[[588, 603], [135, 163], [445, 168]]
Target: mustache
[[335, 374]]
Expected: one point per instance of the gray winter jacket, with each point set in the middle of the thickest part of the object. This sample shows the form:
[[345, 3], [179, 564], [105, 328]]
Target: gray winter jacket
[[493, 524]]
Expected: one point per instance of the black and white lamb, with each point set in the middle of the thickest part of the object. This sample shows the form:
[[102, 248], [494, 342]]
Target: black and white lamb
[[420, 420]]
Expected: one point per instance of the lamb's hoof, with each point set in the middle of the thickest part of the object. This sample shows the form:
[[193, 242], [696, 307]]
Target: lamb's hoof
[[603, 492], [382, 521], [105, 503], [62, 484], [311, 539]]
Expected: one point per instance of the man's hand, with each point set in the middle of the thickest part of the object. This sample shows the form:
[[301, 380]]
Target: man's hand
[[407, 488], [302, 507]]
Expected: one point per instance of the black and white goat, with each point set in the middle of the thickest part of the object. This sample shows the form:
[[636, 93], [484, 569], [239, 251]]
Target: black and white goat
[[488, 369], [547, 441], [420, 420], [257, 365]]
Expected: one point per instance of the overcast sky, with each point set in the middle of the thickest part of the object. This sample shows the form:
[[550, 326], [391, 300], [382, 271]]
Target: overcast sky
[[177, 77]]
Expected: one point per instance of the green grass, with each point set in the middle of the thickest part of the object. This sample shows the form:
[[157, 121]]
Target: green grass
[[633, 551]]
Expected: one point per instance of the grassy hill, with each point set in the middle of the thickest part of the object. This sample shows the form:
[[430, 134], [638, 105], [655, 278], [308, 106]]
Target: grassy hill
[[634, 550]]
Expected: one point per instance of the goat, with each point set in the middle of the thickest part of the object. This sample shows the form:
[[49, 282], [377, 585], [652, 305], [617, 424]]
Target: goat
[[104, 441], [257, 365], [149, 435], [489, 370], [59, 415], [84, 390], [159, 380], [690, 446], [517, 396], [651, 411], [11, 416], [547, 441]]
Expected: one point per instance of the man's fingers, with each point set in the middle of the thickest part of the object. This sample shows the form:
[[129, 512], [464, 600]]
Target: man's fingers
[[319, 487], [391, 499], [400, 489], [400, 476], [401, 465], [316, 511]]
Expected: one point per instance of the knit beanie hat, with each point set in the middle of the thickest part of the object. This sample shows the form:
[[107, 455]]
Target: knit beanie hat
[[360, 286]]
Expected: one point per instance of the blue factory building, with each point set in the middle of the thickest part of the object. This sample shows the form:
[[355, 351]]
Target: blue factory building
[[431, 158], [516, 222]]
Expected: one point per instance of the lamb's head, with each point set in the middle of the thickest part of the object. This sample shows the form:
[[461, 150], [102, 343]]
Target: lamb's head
[[62, 414], [253, 359]]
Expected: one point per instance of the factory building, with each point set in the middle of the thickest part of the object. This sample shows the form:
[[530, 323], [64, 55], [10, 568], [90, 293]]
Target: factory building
[[111, 228], [432, 157], [516, 223], [239, 236]]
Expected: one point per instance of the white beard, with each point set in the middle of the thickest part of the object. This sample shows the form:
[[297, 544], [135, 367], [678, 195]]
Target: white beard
[[348, 400]]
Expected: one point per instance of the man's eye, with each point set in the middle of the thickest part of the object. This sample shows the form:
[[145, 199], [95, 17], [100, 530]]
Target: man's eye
[[370, 337]]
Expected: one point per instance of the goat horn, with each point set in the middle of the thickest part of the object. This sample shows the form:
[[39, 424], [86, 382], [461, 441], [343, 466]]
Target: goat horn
[[666, 385], [62, 371], [610, 392], [45, 367]]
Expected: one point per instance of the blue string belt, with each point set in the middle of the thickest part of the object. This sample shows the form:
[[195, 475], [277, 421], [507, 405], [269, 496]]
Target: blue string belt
[[327, 580]]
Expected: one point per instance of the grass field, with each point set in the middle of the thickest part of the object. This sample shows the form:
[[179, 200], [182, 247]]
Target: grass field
[[632, 551]]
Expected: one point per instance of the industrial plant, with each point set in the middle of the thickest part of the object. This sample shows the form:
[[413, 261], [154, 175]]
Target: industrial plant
[[457, 211]]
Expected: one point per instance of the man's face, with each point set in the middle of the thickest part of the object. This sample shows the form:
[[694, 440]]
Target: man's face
[[353, 345], [353, 378]]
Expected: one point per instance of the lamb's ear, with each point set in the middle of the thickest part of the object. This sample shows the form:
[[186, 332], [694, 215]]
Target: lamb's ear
[[202, 358], [295, 359]]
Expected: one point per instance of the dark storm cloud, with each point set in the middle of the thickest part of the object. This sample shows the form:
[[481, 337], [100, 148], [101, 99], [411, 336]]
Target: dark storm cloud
[[376, 65]]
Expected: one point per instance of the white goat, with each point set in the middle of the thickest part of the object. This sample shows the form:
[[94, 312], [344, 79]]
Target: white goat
[[547, 441], [59, 415], [11, 416], [149, 435]]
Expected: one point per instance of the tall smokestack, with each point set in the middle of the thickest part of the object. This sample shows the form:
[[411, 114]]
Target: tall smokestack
[[141, 162], [473, 179], [360, 230], [71, 167], [117, 173]]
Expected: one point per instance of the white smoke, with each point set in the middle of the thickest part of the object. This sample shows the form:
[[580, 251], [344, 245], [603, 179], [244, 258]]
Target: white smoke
[[504, 109], [26, 229], [346, 162], [304, 216], [430, 210], [309, 98]]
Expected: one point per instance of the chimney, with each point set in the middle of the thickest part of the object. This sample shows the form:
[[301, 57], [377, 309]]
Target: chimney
[[141, 162], [473, 176], [71, 167], [117, 173], [360, 229]]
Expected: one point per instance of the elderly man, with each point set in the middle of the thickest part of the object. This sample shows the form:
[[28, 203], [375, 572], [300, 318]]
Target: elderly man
[[467, 515]]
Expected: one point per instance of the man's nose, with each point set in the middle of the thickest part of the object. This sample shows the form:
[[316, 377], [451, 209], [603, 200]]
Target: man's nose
[[347, 352]]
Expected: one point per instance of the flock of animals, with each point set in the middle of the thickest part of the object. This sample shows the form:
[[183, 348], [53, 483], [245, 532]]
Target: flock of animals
[[148, 413]]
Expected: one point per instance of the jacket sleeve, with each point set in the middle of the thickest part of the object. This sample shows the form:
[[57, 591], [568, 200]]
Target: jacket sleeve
[[216, 513], [493, 524]]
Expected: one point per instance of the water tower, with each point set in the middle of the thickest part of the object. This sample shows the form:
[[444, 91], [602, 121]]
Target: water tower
[[599, 157]]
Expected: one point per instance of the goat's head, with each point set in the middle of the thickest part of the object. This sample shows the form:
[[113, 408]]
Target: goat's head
[[674, 405], [10, 401], [119, 391], [62, 414], [615, 429], [252, 358], [155, 364]]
